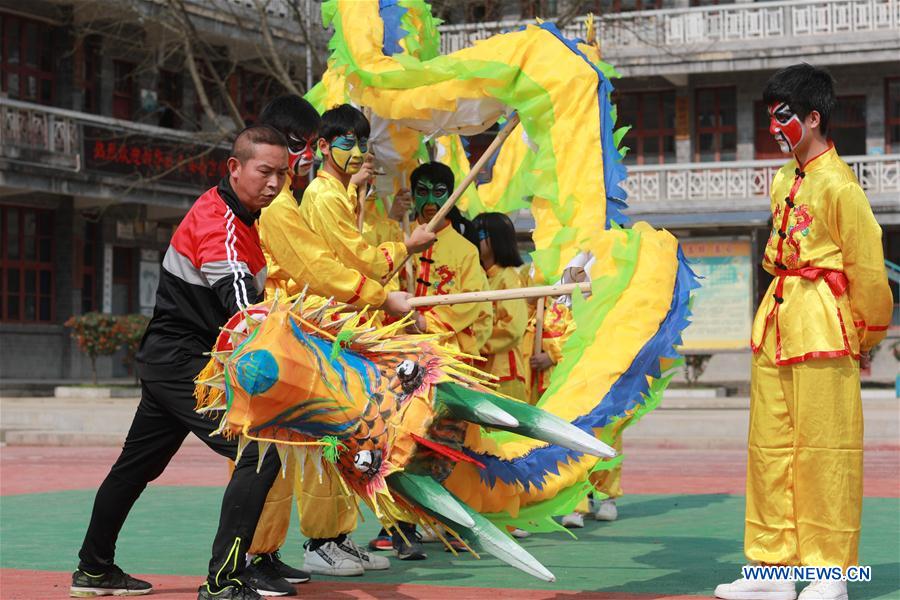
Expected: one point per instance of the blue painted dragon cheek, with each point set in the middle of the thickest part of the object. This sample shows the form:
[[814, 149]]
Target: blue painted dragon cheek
[[257, 371]]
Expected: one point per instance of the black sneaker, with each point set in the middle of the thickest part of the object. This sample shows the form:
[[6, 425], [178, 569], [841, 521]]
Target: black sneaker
[[274, 565], [232, 592], [264, 581], [114, 582], [411, 551]]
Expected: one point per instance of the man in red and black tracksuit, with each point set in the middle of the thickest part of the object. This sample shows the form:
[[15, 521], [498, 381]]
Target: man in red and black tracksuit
[[214, 267]]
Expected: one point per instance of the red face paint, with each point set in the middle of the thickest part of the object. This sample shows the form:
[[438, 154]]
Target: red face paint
[[300, 154], [785, 126]]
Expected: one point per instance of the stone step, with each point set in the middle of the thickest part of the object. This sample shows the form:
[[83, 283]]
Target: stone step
[[48, 437]]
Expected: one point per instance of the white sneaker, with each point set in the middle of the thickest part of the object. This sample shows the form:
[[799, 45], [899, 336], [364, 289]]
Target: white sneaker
[[328, 559], [519, 533], [428, 536], [606, 510], [369, 562], [745, 589], [573, 520], [825, 590]]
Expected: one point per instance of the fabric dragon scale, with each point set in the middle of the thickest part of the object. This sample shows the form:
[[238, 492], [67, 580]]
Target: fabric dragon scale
[[413, 429]]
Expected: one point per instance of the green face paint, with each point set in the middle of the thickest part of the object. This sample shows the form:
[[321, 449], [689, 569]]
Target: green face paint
[[348, 152], [426, 192]]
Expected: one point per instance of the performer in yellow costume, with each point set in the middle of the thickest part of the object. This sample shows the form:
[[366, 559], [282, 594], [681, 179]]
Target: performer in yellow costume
[[829, 302], [500, 258], [330, 205], [450, 266]]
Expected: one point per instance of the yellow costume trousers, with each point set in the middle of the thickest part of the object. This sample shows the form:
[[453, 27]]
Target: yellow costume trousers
[[514, 388], [805, 461], [608, 481], [325, 510]]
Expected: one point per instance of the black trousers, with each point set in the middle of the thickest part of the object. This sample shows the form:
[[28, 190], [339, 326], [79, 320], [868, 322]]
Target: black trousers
[[163, 419]]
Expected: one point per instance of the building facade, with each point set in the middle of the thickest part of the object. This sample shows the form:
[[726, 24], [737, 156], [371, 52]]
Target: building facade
[[106, 139], [114, 116], [700, 156]]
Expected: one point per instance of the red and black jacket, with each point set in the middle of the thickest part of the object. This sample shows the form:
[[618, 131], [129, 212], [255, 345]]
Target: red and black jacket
[[214, 267]]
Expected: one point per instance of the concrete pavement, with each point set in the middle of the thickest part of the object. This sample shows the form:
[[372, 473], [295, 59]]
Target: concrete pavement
[[685, 419]]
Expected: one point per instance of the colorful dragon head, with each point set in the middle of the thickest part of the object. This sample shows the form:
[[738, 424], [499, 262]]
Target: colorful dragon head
[[390, 411]]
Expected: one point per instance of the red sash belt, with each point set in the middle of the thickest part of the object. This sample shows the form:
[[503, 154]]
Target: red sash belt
[[836, 280]]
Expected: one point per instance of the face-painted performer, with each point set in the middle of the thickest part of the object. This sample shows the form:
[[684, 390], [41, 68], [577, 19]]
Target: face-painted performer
[[786, 126], [828, 304]]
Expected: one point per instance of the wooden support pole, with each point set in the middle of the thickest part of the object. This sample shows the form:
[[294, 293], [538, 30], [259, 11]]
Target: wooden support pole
[[466, 182], [539, 326], [500, 295]]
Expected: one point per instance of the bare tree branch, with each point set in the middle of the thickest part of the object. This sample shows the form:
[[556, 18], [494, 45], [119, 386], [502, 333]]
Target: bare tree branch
[[281, 73], [318, 66], [190, 35]]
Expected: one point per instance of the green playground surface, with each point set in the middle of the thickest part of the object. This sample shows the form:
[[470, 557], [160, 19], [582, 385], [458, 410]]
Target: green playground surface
[[661, 544]]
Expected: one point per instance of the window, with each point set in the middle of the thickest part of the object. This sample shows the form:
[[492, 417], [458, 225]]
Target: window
[[715, 126], [26, 59], [538, 8], [124, 282], [892, 114], [847, 128], [651, 115], [251, 91], [89, 258], [88, 57], [488, 10], [26, 264], [123, 90], [602, 7], [169, 94]]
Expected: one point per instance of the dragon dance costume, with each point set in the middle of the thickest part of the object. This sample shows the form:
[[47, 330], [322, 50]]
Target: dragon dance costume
[[404, 422], [829, 301], [503, 349]]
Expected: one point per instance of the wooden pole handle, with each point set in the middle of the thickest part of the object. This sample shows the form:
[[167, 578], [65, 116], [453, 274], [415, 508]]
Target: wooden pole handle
[[539, 326], [500, 295], [466, 182]]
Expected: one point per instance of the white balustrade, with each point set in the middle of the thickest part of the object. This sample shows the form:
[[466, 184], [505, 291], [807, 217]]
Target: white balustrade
[[707, 25], [688, 184], [34, 128]]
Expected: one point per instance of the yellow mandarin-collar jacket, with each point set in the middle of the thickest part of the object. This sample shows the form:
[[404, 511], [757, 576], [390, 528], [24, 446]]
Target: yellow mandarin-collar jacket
[[503, 349], [330, 210], [296, 256], [451, 266], [558, 326], [378, 228], [830, 296]]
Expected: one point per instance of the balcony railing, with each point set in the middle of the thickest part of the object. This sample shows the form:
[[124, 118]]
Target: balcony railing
[[132, 153], [688, 186], [699, 28]]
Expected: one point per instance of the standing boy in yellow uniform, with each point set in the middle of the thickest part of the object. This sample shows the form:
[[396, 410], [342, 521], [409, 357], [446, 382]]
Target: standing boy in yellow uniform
[[829, 302]]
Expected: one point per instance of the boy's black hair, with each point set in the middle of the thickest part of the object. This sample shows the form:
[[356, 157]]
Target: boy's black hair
[[434, 172], [805, 88], [502, 234], [291, 115], [341, 119]]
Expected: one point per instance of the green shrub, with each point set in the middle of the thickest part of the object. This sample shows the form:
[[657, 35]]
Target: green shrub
[[99, 334]]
